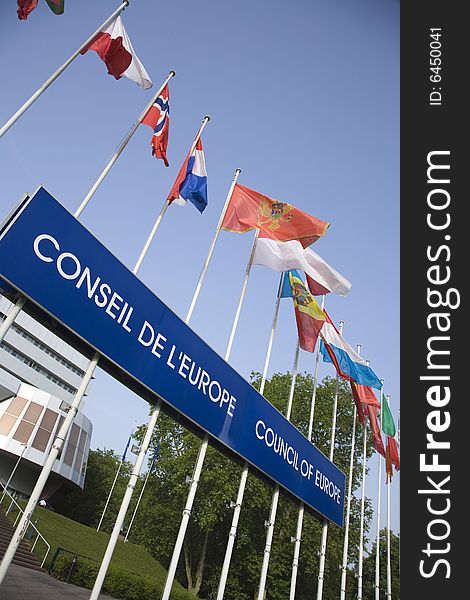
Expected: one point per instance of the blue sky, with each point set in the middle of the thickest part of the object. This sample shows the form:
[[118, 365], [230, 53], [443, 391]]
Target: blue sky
[[303, 97]]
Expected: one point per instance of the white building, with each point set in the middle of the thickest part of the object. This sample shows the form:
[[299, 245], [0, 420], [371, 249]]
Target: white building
[[39, 376]]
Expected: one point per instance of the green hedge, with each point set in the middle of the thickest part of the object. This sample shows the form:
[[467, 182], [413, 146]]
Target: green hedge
[[118, 582]]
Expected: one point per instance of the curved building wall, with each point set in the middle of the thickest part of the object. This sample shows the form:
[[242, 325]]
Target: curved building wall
[[28, 424]]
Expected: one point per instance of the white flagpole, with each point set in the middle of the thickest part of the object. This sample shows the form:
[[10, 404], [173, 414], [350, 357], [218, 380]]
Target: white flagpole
[[11, 315], [120, 148], [166, 204], [241, 487], [389, 564], [212, 246], [118, 470], [203, 449], [150, 427], [5, 486], [379, 490], [60, 70], [18, 306], [344, 565], [125, 503], [324, 533], [275, 498], [363, 499], [300, 518], [138, 501], [111, 490]]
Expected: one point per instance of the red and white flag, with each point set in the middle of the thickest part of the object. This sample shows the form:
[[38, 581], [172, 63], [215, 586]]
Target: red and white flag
[[114, 47]]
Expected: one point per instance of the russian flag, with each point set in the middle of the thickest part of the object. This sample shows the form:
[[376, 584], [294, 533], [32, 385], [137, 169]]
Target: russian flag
[[191, 182], [348, 363]]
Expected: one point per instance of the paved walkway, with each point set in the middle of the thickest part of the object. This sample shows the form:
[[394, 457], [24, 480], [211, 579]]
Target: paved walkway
[[21, 583]]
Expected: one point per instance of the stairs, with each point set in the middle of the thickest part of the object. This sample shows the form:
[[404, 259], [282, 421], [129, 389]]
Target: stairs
[[23, 556]]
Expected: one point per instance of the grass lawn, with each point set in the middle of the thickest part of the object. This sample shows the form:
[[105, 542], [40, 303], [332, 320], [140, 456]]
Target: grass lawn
[[61, 531]]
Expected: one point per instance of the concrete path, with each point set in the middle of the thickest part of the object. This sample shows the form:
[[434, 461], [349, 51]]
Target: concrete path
[[21, 583]]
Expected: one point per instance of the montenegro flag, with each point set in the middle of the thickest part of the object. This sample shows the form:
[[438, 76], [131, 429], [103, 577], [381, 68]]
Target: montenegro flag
[[308, 314], [276, 220]]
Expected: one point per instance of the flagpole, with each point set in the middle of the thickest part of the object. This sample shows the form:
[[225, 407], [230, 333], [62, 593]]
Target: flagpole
[[212, 246], [47, 468], [363, 498], [13, 471], [379, 490], [122, 145], [389, 565], [60, 70], [203, 448], [244, 475], [18, 306], [348, 504], [112, 488], [275, 498], [125, 503], [166, 204], [11, 315], [150, 427], [137, 506], [324, 533], [300, 518], [140, 495]]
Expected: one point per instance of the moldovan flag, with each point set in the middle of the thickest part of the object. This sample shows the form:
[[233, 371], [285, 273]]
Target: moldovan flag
[[191, 182], [276, 220], [286, 290], [284, 256], [309, 316], [348, 363], [114, 47], [27, 6], [158, 118]]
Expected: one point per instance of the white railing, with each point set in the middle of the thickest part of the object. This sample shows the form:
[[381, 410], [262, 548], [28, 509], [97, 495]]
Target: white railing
[[7, 498]]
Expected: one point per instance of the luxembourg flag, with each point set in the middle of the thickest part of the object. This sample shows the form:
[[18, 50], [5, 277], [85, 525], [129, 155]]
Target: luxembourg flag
[[348, 363], [191, 182]]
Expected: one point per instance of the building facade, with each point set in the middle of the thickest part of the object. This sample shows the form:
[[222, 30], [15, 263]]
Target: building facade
[[39, 376]]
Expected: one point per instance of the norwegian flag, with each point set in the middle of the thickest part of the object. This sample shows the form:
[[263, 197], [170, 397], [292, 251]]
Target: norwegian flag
[[158, 118]]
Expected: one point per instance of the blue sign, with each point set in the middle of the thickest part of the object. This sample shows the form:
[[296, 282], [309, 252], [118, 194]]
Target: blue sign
[[58, 264]]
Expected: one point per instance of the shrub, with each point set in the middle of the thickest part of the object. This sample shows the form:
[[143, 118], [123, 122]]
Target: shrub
[[119, 582]]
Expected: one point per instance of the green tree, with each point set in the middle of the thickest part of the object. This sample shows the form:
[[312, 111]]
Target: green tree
[[86, 506]]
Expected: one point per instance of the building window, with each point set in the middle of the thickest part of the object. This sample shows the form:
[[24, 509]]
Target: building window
[[72, 445], [81, 446], [30, 363], [46, 427], [28, 422], [46, 349], [12, 412]]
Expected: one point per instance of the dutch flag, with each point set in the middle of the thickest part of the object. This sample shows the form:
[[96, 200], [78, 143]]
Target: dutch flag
[[191, 182]]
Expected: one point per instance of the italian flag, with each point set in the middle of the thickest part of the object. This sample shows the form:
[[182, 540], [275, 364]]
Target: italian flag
[[388, 427]]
